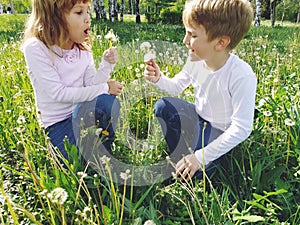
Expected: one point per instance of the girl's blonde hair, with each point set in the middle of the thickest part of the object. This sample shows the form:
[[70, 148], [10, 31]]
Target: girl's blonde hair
[[231, 18], [47, 22]]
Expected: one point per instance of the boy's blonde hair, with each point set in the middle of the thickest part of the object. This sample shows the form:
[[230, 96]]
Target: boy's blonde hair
[[231, 18], [47, 22]]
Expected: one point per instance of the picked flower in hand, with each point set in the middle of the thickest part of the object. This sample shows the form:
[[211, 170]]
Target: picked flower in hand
[[149, 56], [111, 37]]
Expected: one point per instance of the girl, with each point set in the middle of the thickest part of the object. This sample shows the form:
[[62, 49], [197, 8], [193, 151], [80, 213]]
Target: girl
[[62, 71]]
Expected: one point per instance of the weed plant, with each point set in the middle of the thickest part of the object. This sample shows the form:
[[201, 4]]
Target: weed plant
[[258, 182]]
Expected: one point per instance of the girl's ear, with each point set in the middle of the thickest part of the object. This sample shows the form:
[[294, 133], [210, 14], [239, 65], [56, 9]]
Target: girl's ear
[[222, 43]]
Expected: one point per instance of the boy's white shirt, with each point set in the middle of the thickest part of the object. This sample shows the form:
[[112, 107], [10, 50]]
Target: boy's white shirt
[[60, 83], [225, 98]]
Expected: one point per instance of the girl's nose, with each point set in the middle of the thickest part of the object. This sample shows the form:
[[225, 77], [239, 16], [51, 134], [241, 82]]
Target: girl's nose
[[186, 40]]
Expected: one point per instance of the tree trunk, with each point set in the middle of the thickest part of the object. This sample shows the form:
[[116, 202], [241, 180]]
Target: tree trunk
[[130, 6], [110, 10], [122, 11], [102, 10], [137, 11], [97, 9], [114, 11], [12, 6], [273, 12], [283, 11], [298, 16], [257, 13]]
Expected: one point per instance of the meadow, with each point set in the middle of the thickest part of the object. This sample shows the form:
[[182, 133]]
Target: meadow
[[258, 182]]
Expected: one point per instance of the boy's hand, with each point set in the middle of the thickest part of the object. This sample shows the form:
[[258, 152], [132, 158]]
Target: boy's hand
[[187, 167], [114, 87], [111, 55], [152, 71]]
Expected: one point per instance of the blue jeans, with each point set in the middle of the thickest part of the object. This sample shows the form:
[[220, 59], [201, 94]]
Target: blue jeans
[[103, 112], [184, 130]]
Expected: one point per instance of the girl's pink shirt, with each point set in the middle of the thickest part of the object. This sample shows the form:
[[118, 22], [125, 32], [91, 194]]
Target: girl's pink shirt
[[63, 78]]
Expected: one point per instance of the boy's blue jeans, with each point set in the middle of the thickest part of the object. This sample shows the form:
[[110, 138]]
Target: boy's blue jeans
[[103, 112], [184, 130]]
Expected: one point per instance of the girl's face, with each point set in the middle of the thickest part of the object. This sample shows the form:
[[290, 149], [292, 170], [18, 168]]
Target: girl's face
[[78, 22], [196, 41]]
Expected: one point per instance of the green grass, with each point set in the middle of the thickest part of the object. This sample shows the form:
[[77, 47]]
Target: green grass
[[259, 180]]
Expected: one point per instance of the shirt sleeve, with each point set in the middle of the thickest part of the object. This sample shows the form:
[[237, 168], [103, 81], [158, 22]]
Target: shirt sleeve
[[102, 75], [177, 84], [243, 91], [39, 60]]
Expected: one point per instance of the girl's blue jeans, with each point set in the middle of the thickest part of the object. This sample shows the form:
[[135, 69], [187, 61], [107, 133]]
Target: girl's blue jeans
[[103, 112], [184, 130]]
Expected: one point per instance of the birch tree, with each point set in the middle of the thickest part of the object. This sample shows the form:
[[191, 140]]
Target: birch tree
[[114, 12], [99, 9], [257, 13]]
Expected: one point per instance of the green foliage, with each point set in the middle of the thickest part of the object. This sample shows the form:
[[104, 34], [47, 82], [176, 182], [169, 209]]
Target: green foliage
[[257, 182], [171, 16]]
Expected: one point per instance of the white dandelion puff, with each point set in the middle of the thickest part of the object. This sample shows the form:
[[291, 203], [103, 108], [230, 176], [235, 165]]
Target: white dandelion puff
[[98, 131], [149, 222], [104, 159], [58, 195], [145, 46], [125, 175], [149, 56]]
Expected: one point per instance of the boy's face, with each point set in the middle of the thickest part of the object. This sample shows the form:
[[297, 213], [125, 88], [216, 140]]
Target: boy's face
[[196, 41], [78, 22]]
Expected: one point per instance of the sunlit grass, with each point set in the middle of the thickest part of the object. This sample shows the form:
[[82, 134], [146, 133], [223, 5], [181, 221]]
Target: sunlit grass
[[259, 181]]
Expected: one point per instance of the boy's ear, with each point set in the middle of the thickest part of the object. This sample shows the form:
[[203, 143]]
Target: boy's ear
[[223, 42]]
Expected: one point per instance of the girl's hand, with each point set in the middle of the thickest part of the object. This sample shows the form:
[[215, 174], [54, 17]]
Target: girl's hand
[[187, 167], [111, 55], [114, 87], [152, 71]]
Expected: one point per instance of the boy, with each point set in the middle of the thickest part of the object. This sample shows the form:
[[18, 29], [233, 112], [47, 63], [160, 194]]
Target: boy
[[224, 85]]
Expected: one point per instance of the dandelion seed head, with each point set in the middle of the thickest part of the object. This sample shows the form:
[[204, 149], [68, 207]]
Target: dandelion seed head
[[98, 131], [125, 175], [58, 195], [149, 222], [261, 102], [110, 36], [149, 56], [104, 159], [81, 174], [145, 46]]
